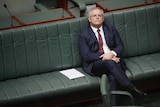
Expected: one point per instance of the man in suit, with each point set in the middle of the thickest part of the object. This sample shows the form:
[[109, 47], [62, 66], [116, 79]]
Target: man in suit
[[101, 48]]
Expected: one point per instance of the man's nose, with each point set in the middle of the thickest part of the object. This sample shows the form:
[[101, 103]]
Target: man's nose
[[97, 17]]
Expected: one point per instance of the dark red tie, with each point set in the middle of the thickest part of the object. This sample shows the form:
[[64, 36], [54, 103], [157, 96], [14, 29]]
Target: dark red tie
[[100, 42]]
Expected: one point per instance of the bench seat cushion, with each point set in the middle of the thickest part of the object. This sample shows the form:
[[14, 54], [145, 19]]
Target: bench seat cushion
[[143, 67], [46, 85]]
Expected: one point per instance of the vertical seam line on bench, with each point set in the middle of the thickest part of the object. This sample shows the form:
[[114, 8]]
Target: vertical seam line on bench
[[58, 29], [2, 56], [148, 30], [16, 69], [35, 28], [125, 33], [158, 14], [72, 49], [46, 26], [24, 32]]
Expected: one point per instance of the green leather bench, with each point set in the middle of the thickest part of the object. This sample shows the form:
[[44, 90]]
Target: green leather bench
[[108, 5], [112, 5], [44, 16], [84, 5], [40, 7], [32, 56], [7, 22]]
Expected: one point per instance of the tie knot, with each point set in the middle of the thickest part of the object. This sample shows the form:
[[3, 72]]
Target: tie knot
[[98, 30]]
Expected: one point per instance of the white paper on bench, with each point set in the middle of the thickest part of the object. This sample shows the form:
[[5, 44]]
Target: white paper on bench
[[72, 73]]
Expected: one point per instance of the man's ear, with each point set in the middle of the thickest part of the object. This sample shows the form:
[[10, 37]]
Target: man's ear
[[89, 19]]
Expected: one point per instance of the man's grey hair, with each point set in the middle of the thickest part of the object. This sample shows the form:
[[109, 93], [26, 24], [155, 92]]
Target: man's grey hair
[[94, 8]]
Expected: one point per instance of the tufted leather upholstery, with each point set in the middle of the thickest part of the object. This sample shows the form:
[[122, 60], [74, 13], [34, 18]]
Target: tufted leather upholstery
[[31, 58], [140, 34], [38, 49]]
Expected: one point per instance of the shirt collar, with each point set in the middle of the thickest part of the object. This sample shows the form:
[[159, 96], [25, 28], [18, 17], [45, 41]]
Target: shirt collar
[[95, 29]]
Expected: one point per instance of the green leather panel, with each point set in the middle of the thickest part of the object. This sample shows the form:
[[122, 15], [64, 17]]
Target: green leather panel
[[144, 67], [7, 22], [50, 4], [91, 1], [42, 86], [138, 29], [48, 15], [81, 4], [129, 74], [41, 48], [111, 5], [40, 7]]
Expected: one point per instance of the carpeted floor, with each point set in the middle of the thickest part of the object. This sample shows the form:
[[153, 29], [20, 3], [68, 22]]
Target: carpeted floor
[[152, 100]]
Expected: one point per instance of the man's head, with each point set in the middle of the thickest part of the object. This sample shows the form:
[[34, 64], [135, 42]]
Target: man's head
[[96, 17]]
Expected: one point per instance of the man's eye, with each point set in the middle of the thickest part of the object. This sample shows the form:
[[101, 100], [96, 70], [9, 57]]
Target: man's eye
[[96, 16]]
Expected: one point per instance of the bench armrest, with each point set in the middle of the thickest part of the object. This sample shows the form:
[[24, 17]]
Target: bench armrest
[[80, 3], [106, 92], [40, 7]]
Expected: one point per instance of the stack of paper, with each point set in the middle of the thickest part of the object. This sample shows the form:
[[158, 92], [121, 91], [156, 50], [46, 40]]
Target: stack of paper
[[72, 73]]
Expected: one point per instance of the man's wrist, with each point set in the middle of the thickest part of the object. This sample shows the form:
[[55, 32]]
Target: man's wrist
[[115, 54]]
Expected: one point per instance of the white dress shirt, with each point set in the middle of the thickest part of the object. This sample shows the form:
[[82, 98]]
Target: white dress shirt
[[105, 46]]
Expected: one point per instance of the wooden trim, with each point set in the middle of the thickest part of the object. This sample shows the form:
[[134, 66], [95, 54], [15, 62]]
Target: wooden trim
[[15, 18], [14, 26], [21, 23]]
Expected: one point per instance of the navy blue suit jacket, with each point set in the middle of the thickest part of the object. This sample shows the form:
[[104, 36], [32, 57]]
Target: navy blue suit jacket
[[89, 45]]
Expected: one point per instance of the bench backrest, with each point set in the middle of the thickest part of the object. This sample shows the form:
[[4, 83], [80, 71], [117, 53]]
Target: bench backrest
[[139, 29], [40, 48]]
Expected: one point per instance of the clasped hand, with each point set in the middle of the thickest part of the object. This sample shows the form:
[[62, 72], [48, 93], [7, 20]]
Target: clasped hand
[[110, 56]]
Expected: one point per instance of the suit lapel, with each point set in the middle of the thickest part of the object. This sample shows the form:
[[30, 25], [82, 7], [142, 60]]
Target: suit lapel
[[93, 40], [93, 36], [106, 35]]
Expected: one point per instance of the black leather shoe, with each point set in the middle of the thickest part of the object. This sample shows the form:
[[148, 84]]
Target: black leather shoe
[[137, 93]]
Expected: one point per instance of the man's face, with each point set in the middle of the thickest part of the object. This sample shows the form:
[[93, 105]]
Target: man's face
[[96, 18]]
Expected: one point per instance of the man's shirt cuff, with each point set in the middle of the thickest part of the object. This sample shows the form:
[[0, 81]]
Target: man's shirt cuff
[[115, 54]]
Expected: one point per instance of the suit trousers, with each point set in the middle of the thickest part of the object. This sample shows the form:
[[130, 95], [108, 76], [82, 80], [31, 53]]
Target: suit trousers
[[116, 75]]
